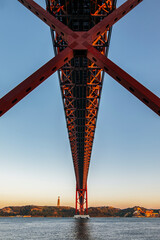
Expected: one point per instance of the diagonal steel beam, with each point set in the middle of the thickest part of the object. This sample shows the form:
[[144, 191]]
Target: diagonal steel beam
[[93, 33], [29, 84], [111, 19], [49, 19], [80, 41], [122, 77]]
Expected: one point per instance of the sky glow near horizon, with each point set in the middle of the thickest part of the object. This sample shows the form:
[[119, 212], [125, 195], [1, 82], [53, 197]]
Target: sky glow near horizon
[[36, 164]]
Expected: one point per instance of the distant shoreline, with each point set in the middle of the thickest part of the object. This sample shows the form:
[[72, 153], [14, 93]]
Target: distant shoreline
[[70, 217], [62, 211]]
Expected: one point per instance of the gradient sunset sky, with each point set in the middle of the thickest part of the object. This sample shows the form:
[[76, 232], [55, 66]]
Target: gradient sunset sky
[[35, 160]]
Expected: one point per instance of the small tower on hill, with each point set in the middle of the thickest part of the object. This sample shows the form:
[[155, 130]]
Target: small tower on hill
[[58, 201]]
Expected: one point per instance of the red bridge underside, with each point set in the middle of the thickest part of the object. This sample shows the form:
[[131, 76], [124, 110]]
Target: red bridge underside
[[81, 31], [81, 83]]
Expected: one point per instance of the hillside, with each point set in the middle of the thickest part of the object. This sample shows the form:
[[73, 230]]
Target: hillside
[[37, 211], [51, 211]]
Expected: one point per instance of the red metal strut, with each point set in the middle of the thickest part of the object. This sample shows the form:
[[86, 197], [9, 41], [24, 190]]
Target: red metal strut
[[79, 41]]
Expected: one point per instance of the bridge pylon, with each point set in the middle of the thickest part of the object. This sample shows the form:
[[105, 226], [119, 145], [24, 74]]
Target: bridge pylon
[[81, 201]]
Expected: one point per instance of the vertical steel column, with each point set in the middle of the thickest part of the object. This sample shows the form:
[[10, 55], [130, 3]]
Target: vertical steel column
[[76, 201], [86, 200]]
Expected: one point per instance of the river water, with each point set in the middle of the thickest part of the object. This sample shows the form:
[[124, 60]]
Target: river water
[[68, 229]]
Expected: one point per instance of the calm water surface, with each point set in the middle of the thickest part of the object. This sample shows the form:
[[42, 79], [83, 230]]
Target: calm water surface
[[68, 229]]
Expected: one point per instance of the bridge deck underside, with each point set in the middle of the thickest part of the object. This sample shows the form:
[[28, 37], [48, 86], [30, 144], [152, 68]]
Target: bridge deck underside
[[80, 79]]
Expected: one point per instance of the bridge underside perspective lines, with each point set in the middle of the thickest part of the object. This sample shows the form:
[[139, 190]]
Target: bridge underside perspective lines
[[81, 33], [81, 82]]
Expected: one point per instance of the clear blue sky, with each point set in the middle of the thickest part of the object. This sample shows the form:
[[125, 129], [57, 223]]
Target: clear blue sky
[[35, 160]]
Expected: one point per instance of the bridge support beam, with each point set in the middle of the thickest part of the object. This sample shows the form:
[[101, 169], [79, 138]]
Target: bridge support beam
[[81, 201]]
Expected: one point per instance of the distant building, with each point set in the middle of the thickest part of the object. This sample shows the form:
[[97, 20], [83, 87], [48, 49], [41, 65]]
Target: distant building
[[58, 201], [149, 213]]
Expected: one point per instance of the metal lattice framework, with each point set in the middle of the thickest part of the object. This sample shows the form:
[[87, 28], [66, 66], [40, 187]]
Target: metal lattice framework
[[81, 31], [81, 83]]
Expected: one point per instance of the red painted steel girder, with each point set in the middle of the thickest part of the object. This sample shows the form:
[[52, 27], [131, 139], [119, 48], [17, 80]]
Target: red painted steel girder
[[70, 35], [29, 84], [50, 20], [111, 19], [122, 77], [19, 92]]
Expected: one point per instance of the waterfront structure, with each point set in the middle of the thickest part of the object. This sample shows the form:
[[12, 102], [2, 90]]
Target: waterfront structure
[[81, 33]]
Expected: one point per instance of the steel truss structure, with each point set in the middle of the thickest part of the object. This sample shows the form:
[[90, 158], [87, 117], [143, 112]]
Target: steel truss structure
[[81, 31]]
